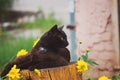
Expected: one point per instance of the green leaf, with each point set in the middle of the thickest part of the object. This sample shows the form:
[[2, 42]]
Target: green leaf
[[86, 54], [91, 79], [85, 57], [115, 78], [79, 58], [4, 78], [20, 78], [91, 62]]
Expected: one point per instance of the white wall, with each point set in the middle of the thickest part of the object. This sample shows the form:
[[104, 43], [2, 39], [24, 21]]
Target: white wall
[[60, 7]]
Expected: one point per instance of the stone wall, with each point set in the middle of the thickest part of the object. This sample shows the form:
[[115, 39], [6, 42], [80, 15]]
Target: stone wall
[[93, 20]]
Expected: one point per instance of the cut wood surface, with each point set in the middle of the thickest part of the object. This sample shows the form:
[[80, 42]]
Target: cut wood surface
[[68, 72]]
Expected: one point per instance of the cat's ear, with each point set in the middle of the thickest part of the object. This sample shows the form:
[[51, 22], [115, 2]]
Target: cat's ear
[[61, 28], [54, 28]]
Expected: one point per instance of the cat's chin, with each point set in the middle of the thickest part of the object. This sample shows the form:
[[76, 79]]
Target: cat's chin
[[65, 45]]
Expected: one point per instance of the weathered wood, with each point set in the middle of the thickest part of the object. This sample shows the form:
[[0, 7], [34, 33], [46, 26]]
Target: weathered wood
[[68, 72]]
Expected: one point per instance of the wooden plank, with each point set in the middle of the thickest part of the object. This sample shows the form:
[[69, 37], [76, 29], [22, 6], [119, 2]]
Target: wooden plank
[[68, 72], [73, 72], [45, 75], [65, 73], [58, 74]]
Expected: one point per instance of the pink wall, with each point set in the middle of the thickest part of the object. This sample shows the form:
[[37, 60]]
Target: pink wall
[[94, 27]]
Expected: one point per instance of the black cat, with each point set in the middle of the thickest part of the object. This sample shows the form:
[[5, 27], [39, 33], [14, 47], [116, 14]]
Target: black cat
[[49, 52]]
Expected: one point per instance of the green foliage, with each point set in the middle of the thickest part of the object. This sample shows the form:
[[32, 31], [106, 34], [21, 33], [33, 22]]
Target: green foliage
[[115, 78], [43, 23], [1, 79], [20, 78], [91, 79], [5, 4], [91, 62], [86, 59], [10, 46]]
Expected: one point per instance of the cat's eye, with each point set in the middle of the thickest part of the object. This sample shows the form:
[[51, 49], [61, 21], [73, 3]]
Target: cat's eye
[[62, 38]]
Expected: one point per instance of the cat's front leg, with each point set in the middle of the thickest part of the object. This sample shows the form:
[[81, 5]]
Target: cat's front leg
[[65, 53]]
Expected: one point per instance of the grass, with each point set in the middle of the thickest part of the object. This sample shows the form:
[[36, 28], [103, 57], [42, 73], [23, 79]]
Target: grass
[[43, 23], [10, 47]]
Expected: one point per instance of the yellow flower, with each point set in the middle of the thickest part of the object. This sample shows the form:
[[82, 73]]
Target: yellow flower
[[13, 73], [87, 50], [82, 66], [36, 41], [37, 72], [21, 52], [104, 78]]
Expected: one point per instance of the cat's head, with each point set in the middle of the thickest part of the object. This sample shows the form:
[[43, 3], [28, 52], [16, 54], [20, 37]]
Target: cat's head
[[54, 38]]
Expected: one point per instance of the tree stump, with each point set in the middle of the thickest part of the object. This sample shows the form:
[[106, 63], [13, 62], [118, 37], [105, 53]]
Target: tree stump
[[68, 72]]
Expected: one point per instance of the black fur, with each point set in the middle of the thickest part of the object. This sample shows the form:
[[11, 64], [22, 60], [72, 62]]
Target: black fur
[[49, 52]]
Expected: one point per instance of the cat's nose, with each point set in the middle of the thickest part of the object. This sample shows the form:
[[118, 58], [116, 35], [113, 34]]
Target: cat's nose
[[66, 44]]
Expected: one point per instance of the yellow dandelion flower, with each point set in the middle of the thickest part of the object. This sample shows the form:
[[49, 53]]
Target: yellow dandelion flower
[[36, 41], [22, 52], [87, 50], [37, 72], [104, 78], [82, 66], [13, 73]]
